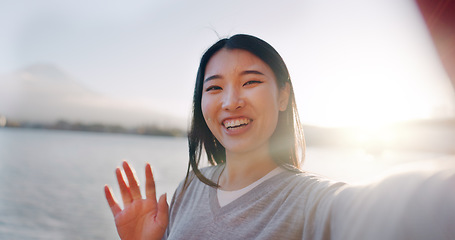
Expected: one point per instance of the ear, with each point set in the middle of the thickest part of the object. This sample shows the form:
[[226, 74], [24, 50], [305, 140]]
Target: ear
[[283, 98]]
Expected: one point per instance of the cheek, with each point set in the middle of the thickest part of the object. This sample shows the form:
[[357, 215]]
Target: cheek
[[270, 109], [204, 108], [268, 100], [207, 110]]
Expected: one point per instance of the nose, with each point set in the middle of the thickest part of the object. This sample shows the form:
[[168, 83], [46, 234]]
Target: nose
[[232, 99]]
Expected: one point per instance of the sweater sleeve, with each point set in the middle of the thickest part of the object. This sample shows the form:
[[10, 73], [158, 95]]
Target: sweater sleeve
[[319, 210], [417, 204], [177, 191], [181, 193]]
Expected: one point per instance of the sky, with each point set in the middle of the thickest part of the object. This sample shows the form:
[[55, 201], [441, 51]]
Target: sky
[[352, 62]]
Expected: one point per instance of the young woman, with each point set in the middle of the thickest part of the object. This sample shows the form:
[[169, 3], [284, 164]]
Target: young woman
[[245, 119]]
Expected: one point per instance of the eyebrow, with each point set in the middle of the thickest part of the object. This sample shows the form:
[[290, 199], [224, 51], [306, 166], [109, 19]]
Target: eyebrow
[[252, 72], [242, 73], [212, 78]]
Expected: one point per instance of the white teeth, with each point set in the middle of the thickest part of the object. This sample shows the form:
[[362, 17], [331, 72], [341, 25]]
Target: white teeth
[[236, 123]]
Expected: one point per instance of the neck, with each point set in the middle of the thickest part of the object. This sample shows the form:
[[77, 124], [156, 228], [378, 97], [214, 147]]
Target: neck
[[243, 169]]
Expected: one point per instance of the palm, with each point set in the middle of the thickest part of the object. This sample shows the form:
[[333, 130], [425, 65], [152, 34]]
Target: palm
[[138, 221], [141, 218]]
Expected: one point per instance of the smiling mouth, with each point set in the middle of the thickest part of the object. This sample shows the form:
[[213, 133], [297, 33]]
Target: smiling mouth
[[236, 123]]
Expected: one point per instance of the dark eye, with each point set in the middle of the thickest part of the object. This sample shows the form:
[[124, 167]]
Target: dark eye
[[212, 88], [251, 82]]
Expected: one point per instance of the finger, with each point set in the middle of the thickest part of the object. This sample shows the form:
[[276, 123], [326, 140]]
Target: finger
[[150, 190], [163, 212], [124, 189], [115, 208], [132, 181]]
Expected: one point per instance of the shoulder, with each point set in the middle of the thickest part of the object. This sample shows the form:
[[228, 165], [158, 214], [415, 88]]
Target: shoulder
[[303, 187], [208, 172], [309, 191], [308, 181], [211, 170], [191, 181]]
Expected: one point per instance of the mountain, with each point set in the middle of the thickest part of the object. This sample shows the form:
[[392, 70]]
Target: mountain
[[45, 93]]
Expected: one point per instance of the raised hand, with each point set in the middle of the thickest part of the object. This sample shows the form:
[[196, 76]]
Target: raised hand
[[140, 218]]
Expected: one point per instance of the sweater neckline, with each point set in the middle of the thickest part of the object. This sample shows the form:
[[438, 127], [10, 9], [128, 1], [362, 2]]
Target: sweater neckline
[[250, 196], [225, 197]]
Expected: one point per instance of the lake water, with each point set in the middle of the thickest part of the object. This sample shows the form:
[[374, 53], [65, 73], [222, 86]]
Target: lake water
[[52, 181]]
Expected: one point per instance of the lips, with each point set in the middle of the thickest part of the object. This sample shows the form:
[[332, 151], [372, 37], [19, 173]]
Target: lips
[[236, 123]]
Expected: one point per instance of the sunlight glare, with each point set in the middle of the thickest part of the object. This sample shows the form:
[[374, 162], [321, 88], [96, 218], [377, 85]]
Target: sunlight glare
[[370, 71]]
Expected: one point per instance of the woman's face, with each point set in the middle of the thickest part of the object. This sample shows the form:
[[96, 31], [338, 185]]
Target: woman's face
[[241, 100]]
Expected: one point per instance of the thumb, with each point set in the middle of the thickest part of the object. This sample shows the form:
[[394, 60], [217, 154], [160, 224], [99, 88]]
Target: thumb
[[163, 212]]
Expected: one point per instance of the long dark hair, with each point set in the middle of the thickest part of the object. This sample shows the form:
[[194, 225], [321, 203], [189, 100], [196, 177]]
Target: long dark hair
[[286, 141]]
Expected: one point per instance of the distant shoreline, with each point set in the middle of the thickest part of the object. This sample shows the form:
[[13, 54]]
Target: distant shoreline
[[421, 135], [147, 130]]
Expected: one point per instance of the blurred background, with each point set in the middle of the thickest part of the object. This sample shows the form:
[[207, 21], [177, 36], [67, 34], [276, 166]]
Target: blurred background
[[86, 84]]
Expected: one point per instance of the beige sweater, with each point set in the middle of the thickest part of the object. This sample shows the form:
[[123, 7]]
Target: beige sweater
[[416, 204], [286, 206]]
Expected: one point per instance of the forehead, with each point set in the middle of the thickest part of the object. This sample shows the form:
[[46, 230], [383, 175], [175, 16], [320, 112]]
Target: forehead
[[227, 61]]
